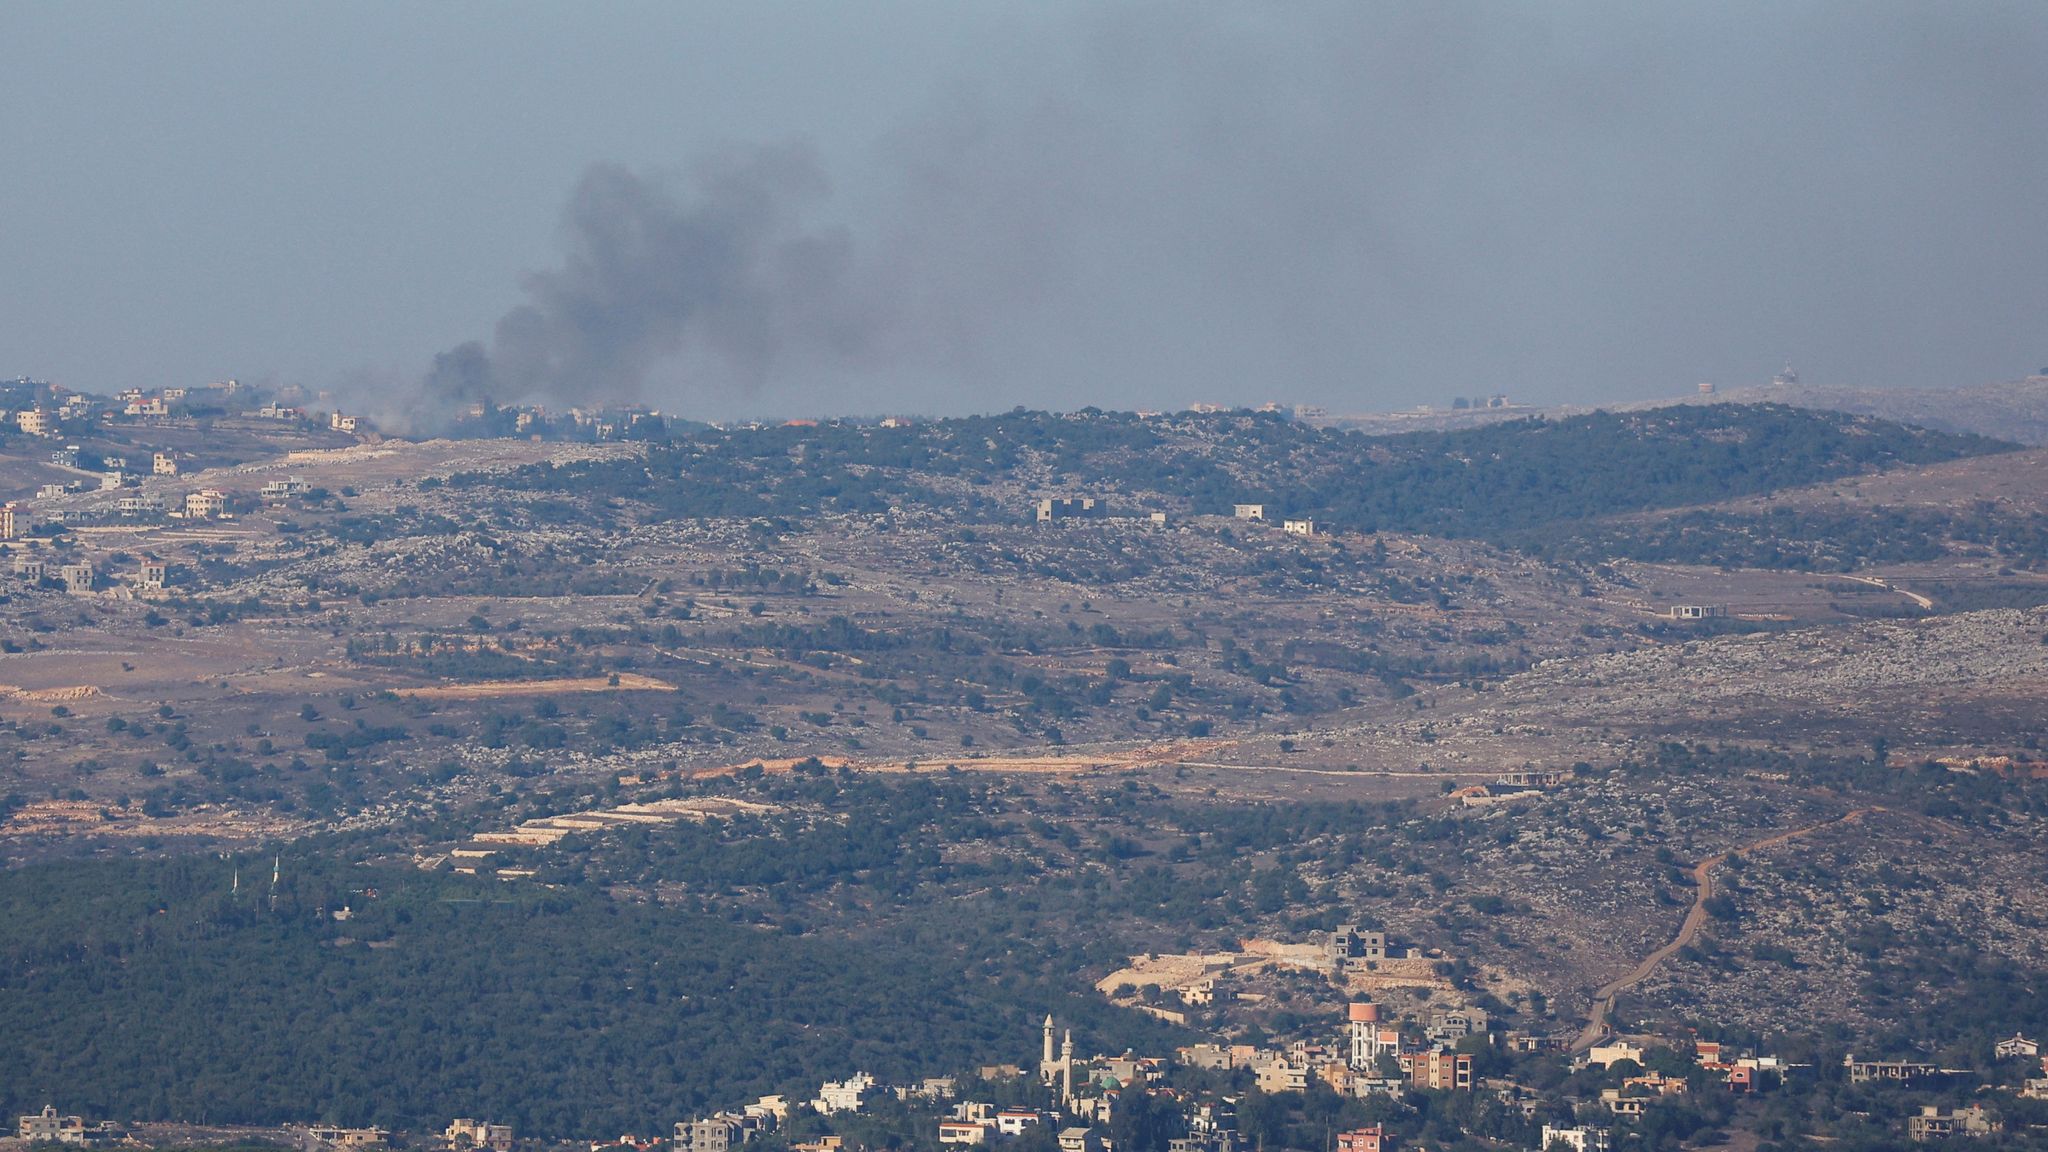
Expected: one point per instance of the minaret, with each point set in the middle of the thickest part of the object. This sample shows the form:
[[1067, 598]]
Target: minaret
[[1067, 1070], [1045, 1064], [276, 866]]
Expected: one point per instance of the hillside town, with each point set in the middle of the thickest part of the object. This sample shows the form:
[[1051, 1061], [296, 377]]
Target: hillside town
[[1406, 1074]]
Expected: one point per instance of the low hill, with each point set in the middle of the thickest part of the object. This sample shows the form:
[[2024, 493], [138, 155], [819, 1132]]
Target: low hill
[[1473, 483]]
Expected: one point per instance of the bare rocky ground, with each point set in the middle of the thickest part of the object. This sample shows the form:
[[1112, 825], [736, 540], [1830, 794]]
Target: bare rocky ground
[[1820, 916]]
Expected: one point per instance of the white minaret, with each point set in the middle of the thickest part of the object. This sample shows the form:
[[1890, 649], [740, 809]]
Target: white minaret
[[1045, 1064], [1067, 1070]]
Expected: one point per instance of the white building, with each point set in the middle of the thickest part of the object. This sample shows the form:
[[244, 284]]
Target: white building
[[1016, 1121], [1602, 1055], [1248, 511], [1581, 1139], [847, 1095], [1298, 527], [2018, 1046]]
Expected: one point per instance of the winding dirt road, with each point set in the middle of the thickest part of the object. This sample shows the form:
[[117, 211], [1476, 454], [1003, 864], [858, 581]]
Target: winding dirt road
[[1596, 1028]]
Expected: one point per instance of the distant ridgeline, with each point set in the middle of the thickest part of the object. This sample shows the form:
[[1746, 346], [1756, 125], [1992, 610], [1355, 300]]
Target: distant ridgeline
[[1497, 483]]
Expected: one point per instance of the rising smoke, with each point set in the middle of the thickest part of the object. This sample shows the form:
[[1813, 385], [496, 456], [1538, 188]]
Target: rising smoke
[[1336, 203], [715, 272]]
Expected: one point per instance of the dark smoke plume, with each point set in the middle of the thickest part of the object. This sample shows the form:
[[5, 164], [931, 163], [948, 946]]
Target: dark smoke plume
[[720, 283], [1339, 204]]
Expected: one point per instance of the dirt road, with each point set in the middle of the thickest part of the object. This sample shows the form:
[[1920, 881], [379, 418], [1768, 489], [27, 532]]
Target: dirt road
[[1888, 586], [1696, 918]]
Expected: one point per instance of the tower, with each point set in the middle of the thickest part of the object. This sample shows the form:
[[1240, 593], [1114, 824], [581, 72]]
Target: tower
[[1045, 1063], [1067, 1070]]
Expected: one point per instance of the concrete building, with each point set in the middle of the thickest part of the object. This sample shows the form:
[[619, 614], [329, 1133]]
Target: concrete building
[[1298, 527], [205, 504], [466, 1135], [964, 1131], [77, 578], [1872, 1071], [1448, 1025], [1698, 611], [1078, 1139], [930, 1088], [1934, 1123], [46, 1127], [284, 489], [1350, 942], [1579, 1139], [767, 1110], [848, 1095], [150, 576], [1283, 1074], [1441, 1071], [13, 520], [1370, 1139], [1077, 508], [2017, 1047], [335, 1137], [1248, 511], [1017, 1121], [165, 464], [1209, 1141], [35, 421], [1601, 1055], [720, 1133]]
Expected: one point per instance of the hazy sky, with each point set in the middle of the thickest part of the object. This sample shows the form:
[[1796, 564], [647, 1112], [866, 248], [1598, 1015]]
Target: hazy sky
[[798, 208]]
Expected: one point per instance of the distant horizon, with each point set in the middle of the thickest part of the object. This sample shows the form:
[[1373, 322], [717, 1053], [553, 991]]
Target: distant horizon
[[736, 209], [1443, 406]]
